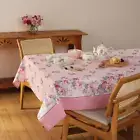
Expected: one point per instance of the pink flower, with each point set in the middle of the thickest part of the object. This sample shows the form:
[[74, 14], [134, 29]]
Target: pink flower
[[28, 22], [35, 20], [57, 86], [66, 81], [79, 84], [104, 84]]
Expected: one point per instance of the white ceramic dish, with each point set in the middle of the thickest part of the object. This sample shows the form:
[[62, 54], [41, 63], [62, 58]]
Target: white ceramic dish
[[60, 59], [75, 53]]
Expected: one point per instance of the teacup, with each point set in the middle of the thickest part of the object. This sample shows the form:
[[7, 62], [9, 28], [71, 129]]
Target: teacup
[[88, 56]]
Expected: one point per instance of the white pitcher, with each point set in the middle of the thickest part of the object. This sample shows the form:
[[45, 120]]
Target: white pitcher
[[100, 51]]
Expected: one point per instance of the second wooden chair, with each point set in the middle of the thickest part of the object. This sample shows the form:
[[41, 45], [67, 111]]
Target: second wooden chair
[[30, 47]]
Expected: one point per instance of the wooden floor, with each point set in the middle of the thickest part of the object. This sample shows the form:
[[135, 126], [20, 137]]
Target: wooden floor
[[16, 124]]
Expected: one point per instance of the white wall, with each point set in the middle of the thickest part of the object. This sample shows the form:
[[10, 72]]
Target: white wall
[[115, 22]]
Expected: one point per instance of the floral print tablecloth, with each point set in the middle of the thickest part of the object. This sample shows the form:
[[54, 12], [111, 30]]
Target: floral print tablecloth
[[50, 82]]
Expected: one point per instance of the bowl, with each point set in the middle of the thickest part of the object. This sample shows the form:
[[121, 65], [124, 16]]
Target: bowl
[[75, 53]]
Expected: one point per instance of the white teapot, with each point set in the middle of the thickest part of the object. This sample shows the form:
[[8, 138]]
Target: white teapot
[[100, 51]]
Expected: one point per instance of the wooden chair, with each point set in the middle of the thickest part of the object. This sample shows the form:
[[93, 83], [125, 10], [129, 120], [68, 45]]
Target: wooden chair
[[29, 47], [120, 115]]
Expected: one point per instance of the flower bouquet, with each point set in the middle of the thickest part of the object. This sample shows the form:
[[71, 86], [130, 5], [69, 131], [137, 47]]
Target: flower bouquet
[[33, 22]]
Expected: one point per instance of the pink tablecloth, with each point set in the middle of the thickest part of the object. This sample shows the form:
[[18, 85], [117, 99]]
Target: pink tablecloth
[[60, 89]]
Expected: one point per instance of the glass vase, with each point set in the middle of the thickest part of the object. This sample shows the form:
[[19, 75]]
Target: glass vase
[[33, 29]]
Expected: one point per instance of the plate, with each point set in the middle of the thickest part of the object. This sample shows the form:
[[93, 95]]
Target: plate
[[106, 64]]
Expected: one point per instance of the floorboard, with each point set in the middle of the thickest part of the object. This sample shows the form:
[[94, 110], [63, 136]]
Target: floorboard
[[16, 124]]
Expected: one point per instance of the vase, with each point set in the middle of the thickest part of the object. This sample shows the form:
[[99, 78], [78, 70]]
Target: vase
[[33, 29]]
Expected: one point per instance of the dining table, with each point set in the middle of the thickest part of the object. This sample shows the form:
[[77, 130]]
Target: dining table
[[82, 85]]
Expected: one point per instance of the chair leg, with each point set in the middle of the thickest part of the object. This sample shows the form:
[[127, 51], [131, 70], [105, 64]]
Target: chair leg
[[95, 138], [21, 95], [65, 129], [114, 134], [114, 137], [129, 133]]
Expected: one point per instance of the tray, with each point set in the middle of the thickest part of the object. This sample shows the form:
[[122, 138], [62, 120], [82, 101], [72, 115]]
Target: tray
[[106, 64]]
